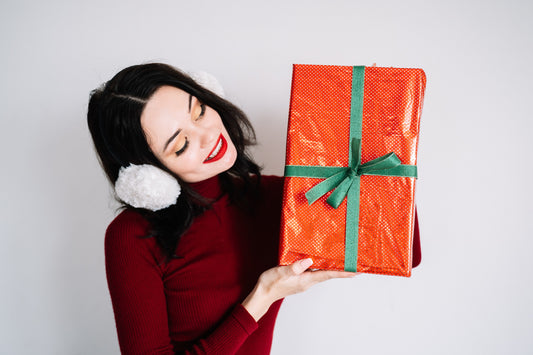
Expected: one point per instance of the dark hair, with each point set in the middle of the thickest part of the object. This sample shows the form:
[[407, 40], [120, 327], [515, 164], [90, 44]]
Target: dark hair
[[113, 117]]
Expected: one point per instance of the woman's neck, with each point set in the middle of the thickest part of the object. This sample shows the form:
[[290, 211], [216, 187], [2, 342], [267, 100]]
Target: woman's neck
[[209, 188]]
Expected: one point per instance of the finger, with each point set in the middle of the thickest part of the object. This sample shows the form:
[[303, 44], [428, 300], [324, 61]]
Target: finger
[[300, 266], [341, 274], [320, 276]]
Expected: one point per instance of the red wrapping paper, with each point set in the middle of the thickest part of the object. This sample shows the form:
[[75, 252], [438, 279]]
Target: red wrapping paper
[[319, 135]]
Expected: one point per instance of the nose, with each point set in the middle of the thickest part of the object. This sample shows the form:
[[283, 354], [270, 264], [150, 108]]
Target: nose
[[207, 136]]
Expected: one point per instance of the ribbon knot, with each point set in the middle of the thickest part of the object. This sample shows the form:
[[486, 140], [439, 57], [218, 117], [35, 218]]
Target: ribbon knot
[[342, 181]]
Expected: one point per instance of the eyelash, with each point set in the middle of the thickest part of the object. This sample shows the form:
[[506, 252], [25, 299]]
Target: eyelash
[[202, 113], [183, 148]]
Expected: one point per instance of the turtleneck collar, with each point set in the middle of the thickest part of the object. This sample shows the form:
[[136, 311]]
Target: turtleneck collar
[[209, 188]]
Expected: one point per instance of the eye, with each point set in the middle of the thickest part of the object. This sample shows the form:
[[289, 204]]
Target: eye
[[182, 149], [201, 113]]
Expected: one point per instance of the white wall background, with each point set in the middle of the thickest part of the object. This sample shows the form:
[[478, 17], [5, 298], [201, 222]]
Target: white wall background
[[473, 292]]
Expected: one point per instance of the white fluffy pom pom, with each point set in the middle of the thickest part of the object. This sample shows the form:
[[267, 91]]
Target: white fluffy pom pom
[[146, 186], [208, 81]]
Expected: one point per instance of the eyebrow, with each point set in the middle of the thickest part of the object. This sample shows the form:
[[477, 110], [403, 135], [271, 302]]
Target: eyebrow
[[171, 139], [179, 129]]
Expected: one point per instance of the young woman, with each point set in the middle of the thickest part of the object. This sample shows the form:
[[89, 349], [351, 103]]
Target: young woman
[[191, 260]]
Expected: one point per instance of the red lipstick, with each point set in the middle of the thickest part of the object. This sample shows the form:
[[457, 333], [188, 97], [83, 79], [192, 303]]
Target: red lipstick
[[218, 150]]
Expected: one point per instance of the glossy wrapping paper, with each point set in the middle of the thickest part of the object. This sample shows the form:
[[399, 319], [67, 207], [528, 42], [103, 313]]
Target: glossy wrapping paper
[[319, 135]]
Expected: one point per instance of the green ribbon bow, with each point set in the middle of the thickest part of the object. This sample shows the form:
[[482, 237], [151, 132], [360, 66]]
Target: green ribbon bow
[[341, 182]]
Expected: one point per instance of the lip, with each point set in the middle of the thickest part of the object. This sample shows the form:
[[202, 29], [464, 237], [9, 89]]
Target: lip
[[221, 152]]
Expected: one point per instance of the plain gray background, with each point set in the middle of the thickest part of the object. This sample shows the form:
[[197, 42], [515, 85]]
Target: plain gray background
[[473, 292]]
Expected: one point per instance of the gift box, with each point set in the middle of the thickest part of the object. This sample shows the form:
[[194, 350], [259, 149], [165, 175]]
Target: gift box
[[350, 170]]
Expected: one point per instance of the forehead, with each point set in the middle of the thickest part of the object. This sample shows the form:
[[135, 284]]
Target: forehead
[[164, 109], [166, 100]]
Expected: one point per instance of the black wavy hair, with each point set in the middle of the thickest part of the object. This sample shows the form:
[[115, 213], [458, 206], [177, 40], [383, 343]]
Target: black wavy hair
[[114, 120]]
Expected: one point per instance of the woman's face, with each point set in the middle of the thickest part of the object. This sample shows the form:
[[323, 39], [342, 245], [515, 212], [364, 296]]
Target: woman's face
[[187, 136]]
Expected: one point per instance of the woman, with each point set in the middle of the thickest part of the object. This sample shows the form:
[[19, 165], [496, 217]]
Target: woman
[[191, 261]]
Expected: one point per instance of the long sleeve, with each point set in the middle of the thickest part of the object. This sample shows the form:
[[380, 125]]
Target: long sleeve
[[136, 284], [136, 289], [191, 305], [417, 250]]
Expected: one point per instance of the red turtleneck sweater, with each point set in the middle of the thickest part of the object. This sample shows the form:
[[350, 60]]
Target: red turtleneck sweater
[[192, 305]]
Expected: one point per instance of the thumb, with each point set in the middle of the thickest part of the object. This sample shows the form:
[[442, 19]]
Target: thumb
[[301, 265]]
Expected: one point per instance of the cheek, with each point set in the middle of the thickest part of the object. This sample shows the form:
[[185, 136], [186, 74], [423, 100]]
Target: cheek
[[231, 155], [180, 167]]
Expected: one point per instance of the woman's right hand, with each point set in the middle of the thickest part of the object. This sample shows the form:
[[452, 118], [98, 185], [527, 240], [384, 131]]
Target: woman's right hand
[[282, 281]]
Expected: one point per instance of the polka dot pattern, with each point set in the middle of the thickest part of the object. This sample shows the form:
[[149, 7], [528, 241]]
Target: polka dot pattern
[[318, 134]]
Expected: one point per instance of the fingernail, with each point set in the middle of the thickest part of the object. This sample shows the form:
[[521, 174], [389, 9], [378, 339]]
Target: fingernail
[[306, 262]]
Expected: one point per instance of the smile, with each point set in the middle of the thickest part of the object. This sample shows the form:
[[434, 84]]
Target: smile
[[218, 150]]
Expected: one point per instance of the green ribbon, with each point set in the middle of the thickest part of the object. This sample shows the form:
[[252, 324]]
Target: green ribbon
[[345, 181], [340, 180]]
